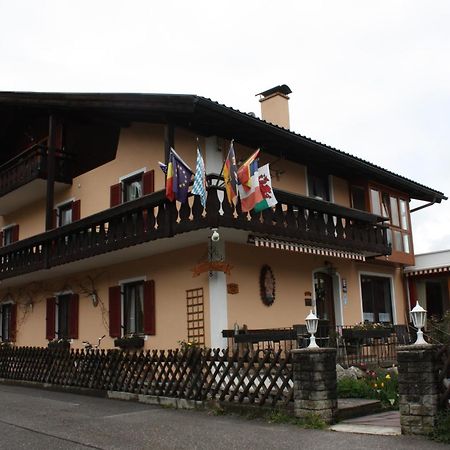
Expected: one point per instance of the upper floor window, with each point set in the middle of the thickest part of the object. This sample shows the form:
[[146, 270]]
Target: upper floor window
[[9, 235], [318, 185], [132, 187], [66, 213], [358, 197], [395, 208]]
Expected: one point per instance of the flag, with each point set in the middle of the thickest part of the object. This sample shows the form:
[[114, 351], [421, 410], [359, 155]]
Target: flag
[[200, 179], [230, 175], [178, 178], [163, 167], [250, 192], [265, 186], [244, 172]]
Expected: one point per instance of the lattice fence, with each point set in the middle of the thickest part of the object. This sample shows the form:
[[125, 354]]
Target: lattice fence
[[261, 377]]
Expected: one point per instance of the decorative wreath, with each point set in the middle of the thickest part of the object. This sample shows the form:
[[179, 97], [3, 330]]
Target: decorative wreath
[[267, 285]]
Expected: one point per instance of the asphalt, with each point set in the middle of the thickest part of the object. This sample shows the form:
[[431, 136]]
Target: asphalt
[[38, 419]]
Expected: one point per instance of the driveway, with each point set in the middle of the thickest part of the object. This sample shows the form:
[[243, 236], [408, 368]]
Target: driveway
[[38, 419]]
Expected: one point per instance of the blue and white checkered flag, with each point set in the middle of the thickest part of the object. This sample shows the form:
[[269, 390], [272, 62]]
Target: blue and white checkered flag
[[200, 179]]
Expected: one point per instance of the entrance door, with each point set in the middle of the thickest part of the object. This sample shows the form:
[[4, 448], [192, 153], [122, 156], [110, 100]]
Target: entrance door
[[323, 287], [434, 299]]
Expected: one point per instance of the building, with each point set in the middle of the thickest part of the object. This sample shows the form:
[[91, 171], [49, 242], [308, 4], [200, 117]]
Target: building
[[429, 282], [91, 246]]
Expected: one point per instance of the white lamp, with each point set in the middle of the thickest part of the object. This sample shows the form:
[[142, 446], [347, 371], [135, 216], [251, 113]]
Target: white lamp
[[311, 325], [419, 318]]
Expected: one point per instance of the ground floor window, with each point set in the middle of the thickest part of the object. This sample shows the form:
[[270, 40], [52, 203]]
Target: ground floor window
[[376, 298], [8, 322], [62, 317], [133, 308]]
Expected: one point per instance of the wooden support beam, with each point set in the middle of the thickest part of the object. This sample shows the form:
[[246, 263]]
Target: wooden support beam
[[52, 136], [169, 138]]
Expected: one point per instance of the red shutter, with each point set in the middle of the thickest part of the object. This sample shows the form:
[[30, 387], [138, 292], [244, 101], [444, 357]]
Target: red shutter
[[115, 195], [149, 307], [50, 319], [15, 233], [76, 210], [114, 312], [13, 323], [148, 180], [55, 218], [73, 316]]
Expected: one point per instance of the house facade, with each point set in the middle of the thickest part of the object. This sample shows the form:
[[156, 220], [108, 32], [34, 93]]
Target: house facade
[[91, 246], [429, 282]]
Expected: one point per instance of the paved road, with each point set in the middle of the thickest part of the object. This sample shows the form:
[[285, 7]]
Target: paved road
[[37, 419]]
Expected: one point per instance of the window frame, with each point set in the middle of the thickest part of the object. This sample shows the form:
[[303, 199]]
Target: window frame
[[315, 174], [9, 304], [130, 178], [392, 292], [123, 285], [8, 230]]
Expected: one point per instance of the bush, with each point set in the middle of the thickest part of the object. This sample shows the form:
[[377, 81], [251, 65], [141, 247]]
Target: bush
[[441, 432]]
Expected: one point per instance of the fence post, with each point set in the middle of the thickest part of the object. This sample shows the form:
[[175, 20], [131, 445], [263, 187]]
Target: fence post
[[315, 383], [418, 388]]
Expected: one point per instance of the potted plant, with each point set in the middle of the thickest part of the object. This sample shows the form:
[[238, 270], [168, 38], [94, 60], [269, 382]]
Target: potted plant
[[129, 342], [59, 344], [366, 330]]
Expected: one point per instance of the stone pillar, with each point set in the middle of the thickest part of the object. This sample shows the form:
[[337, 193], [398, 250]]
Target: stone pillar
[[418, 388], [315, 383]]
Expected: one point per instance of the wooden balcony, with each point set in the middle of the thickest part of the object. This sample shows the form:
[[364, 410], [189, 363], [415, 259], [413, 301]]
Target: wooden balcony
[[305, 220], [31, 165]]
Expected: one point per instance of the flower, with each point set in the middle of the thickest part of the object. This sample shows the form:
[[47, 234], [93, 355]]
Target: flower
[[382, 384], [388, 377]]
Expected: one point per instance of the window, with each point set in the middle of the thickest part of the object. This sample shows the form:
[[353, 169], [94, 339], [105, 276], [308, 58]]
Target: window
[[9, 235], [132, 187], [318, 186], [66, 213], [132, 308], [62, 316], [395, 209], [376, 298], [8, 314], [358, 197]]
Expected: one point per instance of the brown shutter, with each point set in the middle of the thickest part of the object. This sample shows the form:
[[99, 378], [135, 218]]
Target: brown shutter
[[114, 312], [73, 316], [50, 319], [149, 307], [1, 238], [148, 180], [55, 218], [76, 210], [15, 233], [116, 194], [13, 323]]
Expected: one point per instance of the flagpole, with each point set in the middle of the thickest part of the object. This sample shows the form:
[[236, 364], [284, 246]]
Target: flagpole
[[223, 165]]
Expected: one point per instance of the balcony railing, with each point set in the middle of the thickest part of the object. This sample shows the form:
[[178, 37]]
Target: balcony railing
[[32, 164], [152, 217]]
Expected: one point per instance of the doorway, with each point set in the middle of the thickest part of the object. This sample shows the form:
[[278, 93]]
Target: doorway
[[324, 294]]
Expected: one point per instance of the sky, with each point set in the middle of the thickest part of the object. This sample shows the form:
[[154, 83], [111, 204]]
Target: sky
[[369, 78]]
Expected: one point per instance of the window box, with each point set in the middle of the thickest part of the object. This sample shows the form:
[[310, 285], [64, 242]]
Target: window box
[[361, 334], [129, 343], [59, 344]]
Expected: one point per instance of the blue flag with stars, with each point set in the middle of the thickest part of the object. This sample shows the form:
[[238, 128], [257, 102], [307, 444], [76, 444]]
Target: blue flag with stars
[[181, 176], [200, 179]]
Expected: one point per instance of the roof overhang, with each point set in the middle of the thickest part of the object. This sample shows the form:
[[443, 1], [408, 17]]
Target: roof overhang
[[207, 117]]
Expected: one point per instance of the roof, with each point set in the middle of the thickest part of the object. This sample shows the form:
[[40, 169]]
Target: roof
[[427, 263], [208, 117]]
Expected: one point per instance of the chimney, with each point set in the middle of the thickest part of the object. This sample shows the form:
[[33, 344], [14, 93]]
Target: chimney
[[275, 105]]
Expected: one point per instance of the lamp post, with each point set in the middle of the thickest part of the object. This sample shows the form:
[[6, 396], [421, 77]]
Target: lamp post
[[311, 325], [419, 318]]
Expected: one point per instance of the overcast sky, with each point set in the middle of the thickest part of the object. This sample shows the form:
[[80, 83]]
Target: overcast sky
[[370, 78]]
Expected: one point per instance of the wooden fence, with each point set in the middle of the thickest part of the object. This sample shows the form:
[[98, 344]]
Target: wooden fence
[[263, 377]]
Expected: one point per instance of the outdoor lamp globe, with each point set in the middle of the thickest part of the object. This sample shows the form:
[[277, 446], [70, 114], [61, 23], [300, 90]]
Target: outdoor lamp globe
[[311, 325], [419, 318]]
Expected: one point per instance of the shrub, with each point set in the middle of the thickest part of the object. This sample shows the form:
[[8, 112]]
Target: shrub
[[441, 432]]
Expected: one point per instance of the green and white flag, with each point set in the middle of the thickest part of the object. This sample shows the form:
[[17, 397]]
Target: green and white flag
[[265, 186]]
